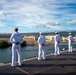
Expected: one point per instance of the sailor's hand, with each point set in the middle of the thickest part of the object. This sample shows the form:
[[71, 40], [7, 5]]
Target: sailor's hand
[[58, 41], [42, 44], [17, 43], [71, 41]]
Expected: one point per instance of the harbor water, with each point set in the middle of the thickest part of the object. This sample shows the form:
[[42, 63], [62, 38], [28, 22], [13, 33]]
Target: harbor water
[[27, 52]]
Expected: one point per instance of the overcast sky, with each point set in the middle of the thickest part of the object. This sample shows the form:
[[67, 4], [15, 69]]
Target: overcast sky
[[37, 15]]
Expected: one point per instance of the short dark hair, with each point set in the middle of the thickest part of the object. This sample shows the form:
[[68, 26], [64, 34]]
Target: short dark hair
[[16, 29], [57, 33]]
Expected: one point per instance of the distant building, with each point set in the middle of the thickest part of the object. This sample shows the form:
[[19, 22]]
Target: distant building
[[65, 39], [29, 38], [49, 37], [74, 38]]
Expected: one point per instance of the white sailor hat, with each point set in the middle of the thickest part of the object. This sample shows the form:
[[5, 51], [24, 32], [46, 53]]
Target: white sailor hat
[[69, 33], [40, 33], [56, 32]]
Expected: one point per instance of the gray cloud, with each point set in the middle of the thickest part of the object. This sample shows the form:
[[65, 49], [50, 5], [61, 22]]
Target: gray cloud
[[71, 22], [53, 23]]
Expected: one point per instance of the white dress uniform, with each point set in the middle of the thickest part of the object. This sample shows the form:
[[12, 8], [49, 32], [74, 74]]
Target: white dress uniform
[[57, 39], [41, 52], [16, 37], [70, 40]]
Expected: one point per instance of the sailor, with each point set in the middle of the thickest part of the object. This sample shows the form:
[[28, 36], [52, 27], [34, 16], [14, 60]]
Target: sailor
[[70, 41], [41, 42], [57, 40], [16, 40]]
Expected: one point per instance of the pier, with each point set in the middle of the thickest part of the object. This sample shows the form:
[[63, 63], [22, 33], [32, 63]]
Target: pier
[[63, 64]]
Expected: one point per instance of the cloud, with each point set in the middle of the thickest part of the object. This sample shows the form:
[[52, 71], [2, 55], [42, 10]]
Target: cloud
[[2, 13], [73, 22], [41, 14], [41, 25], [48, 25], [53, 23]]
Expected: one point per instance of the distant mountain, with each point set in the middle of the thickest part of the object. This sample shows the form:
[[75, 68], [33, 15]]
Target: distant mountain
[[62, 33]]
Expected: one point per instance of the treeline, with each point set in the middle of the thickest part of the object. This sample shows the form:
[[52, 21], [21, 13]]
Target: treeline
[[5, 44]]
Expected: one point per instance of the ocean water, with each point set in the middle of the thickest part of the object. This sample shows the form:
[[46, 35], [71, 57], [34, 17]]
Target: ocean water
[[27, 52]]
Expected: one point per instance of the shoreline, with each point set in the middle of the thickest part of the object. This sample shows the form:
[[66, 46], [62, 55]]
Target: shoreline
[[35, 43]]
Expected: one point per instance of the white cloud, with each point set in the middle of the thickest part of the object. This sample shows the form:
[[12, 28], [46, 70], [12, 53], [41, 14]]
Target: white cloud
[[73, 22], [41, 25], [45, 14], [2, 13]]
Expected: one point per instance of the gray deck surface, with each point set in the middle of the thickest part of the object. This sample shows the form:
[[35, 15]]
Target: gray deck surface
[[64, 64]]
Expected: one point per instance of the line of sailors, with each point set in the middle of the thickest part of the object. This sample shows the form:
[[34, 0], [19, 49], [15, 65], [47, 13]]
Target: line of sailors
[[57, 39], [16, 39]]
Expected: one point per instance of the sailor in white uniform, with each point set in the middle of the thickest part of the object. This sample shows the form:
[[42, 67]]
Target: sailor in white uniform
[[57, 40], [16, 39], [41, 42], [70, 41]]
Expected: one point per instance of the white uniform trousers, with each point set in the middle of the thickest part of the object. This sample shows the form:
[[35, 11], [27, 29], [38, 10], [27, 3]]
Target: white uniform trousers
[[70, 47], [18, 49], [57, 49], [41, 52]]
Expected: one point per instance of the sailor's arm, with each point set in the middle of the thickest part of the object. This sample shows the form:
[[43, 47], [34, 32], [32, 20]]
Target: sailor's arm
[[11, 38]]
